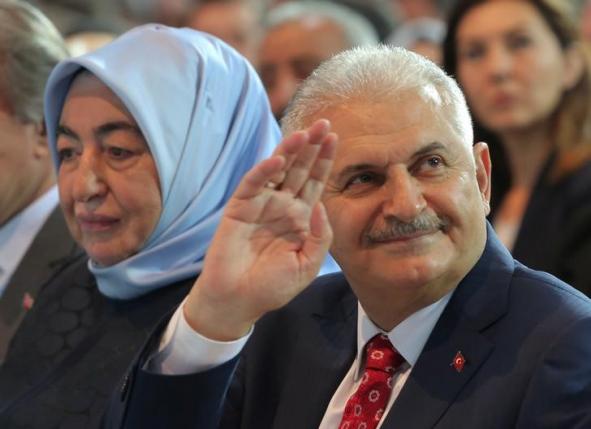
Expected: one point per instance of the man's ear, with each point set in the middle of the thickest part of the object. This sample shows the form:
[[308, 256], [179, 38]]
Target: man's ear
[[39, 134], [574, 66], [483, 172]]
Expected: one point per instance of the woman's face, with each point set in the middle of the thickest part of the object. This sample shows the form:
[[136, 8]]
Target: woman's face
[[510, 65], [108, 183]]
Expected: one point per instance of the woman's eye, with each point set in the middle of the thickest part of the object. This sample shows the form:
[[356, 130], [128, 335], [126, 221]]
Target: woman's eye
[[472, 52], [119, 153], [518, 42], [65, 154]]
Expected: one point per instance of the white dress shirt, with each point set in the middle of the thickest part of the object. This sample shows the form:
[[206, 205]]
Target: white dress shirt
[[184, 351], [18, 233], [408, 337]]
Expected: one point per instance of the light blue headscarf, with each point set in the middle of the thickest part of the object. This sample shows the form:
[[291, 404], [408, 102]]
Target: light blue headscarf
[[205, 116]]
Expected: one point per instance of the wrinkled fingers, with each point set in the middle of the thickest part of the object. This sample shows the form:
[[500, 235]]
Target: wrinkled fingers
[[313, 187]]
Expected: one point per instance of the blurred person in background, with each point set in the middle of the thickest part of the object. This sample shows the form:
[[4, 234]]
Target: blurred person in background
[[585, 19], [527, 79], [168, 12], [301, 35], [90, 34], [80, 43], [150, 136], [34, 239], [377, 12], [70, 15], [408, 10], [237, 22], [423, 36]]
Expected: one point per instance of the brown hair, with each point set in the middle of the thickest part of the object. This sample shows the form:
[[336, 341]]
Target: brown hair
[[572, 133]]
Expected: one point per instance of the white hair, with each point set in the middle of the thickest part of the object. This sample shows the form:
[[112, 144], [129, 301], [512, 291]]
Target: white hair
[[376, 74], [30, 46], [358, 31]]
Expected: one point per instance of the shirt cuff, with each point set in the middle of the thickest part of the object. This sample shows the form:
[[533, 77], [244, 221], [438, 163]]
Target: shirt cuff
[[183, 351]]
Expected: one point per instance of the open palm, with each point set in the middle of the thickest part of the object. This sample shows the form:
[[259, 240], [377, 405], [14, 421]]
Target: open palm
[[271, 240]]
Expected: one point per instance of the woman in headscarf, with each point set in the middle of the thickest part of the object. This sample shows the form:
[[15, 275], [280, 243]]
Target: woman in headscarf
[[150, 136]]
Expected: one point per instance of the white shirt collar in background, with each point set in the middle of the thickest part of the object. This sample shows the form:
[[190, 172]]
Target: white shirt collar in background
[[18, 233]]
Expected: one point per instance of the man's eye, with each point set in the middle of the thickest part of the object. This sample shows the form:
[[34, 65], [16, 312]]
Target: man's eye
[[518, 42], [429, 164], [434, 161], [361, 179], [304, 68]]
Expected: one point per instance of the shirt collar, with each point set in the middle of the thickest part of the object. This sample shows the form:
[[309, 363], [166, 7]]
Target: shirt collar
[[18, 233], [408, 337]]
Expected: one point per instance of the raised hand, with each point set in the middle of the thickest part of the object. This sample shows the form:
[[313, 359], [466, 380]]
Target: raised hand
[[271, 240]]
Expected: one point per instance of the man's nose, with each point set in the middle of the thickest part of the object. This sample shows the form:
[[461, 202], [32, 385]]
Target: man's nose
[[403, 196], [284, 90]]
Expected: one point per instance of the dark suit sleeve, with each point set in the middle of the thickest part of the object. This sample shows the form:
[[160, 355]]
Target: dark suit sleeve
[[149, 400], [559, 394]]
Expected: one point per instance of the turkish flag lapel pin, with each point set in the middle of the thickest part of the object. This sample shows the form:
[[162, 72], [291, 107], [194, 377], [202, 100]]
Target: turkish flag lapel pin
[[458, 362]]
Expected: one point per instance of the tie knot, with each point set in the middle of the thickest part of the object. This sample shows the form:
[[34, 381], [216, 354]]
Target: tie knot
[[381, 355]]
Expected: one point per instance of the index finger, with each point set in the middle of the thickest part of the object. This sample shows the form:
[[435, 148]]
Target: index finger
[[254, 182], [291, 146]]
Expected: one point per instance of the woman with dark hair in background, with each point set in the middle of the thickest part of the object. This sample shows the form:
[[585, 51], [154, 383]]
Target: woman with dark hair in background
[[527, 78]]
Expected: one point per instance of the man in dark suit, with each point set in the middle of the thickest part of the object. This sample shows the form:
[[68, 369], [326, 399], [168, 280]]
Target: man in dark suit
[[34, 240], [432, 324]]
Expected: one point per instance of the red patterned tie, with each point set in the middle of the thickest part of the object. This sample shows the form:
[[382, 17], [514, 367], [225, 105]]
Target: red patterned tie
[[366, 406]]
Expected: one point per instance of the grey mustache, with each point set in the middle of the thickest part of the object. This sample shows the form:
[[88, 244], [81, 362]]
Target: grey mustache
[[395, 229]]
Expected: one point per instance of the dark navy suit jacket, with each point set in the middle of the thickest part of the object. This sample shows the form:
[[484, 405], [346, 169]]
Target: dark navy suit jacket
[[525, 335]]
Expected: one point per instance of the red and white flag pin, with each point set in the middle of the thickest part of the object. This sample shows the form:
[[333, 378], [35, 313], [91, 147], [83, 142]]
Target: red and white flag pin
[[28, 301], [459, 361]]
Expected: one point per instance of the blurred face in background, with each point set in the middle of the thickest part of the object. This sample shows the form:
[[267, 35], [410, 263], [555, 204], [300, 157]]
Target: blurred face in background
[[25, 164], [413, 9], [108, 183], [291, 51], [511, 65], [429, 50], [585, 20], [235, 23]]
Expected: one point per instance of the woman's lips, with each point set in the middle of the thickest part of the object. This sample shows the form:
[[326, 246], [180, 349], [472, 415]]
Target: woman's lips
[[503, 100], [96, 223]]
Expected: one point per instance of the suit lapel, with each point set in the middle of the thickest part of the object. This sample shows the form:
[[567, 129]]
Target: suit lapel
[[324, 352], [478, 302], [434, 383]]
